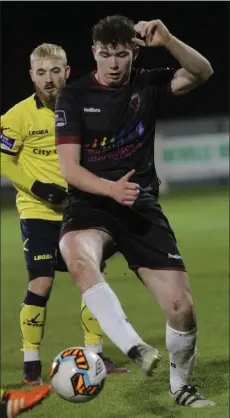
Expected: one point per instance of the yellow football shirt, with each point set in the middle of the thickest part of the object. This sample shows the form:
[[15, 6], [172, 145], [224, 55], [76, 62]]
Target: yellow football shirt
[[28, 138]]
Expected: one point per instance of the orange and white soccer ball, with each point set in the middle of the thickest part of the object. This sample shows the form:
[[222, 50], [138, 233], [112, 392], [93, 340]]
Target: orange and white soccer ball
[[78, 375]]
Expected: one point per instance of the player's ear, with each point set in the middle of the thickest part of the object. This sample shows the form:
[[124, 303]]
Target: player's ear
[[31, 75], [93, 48], [135, 52], [67, 71]]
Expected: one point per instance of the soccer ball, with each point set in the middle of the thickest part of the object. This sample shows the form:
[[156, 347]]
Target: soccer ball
[[77, 374]]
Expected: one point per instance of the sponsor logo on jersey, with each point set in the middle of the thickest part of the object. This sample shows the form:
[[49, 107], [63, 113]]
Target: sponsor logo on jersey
[[60, 118], [39, 132], [92, 110], [7, 142], [44, 152], [119, 140]]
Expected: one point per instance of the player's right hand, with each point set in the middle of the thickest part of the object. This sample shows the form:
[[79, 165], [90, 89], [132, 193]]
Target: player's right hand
[[123, 191], [49, 192]]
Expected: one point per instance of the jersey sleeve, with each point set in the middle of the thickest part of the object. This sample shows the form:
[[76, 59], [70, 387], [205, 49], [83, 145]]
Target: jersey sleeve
[[161, 78], [14, 173], [11, 139], [10, 135], [67, 118]]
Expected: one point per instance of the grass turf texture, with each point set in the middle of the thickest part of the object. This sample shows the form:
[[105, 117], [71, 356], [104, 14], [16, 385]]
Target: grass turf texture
[[201, 225]]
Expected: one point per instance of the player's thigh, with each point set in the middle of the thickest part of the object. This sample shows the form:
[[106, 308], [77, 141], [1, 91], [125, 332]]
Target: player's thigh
[[170, 287], [86, 233], [40, 243], [84, 246]]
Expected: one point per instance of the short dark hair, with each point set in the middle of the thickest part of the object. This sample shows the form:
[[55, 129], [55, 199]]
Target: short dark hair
[[114, 30]]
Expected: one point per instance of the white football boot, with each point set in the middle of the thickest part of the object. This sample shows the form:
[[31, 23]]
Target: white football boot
[[189, 396]]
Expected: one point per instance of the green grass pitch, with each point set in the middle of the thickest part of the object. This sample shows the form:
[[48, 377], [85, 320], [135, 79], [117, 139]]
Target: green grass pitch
[[201, 225]]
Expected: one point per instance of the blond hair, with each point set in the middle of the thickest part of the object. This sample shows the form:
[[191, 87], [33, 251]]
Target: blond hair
[[48, 51]]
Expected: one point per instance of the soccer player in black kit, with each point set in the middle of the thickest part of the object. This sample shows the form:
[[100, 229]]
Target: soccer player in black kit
[[105, 127]]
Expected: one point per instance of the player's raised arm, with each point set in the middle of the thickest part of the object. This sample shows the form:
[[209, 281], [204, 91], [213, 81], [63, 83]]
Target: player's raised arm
[[196, 69], [68, 141]]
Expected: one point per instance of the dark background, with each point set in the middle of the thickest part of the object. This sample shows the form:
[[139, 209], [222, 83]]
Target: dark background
[[203, 25]]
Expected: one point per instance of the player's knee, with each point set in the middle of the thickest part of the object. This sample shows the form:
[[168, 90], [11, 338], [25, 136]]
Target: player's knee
[[80, 267], [76, 267], [41, 286], [182, 304], [181, 311]]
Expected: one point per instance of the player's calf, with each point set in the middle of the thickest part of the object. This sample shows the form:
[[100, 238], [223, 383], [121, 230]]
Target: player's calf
[[32, 321], [94, 340], [172, 292]]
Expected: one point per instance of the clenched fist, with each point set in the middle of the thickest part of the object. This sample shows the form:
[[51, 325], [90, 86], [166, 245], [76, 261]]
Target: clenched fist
[[153, 33]]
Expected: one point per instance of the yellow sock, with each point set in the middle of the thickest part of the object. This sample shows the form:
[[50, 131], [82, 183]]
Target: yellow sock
[[92, 330], [32, 322]]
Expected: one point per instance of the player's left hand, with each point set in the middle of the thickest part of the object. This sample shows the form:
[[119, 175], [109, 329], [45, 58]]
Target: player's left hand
[[153, 33]]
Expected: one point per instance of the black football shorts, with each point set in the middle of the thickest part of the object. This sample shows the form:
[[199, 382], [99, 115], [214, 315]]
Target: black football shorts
[[141, 233], [41, 250]]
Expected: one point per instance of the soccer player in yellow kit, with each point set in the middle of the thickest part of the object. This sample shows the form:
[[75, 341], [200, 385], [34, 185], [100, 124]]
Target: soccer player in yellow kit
[[30, 161]]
